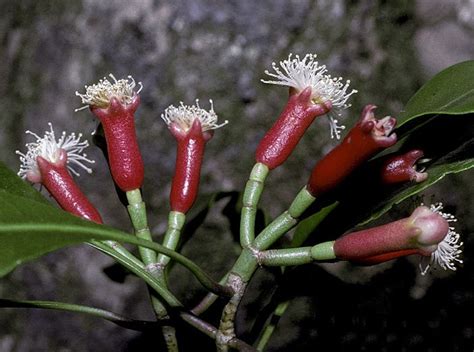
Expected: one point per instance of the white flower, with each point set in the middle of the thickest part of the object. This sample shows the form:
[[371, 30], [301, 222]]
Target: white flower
[[183, 116], [302, 73], [449, 250], [48, 147], [99, 94]]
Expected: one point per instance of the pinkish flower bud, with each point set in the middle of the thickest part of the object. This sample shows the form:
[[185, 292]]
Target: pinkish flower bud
[[280, 141], [426, 232], [312, 93], [192, 127], [114, 105], [401, 168], [48, 160], [364, 140], [328, 92]]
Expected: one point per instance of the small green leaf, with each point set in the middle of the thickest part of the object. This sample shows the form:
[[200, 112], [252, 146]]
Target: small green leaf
[[450, 92]]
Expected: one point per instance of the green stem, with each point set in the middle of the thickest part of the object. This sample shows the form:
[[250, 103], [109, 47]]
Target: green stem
[[120, 320], [285, 221], [212, 332], [251, 197], [176, 221], [208, 300], [238, 277], [270, 328], [83, 233], [167, 296], [123, 251], [323, 251], [137, 211], [286, 256]]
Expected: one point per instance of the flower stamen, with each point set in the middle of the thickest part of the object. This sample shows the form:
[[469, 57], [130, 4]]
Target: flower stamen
[[48, 147], [302, 73], [100, 94], [183, 116], [449, 250]]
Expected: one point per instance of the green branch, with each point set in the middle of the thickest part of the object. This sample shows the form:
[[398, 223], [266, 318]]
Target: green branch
[[120, 320]]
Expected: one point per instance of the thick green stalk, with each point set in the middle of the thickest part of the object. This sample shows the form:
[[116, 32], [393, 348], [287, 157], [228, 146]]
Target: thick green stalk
[[176, 221], [285, 222], [175, 224], [251, 197], [286, 256], [137, 211], [323, 251], [238, 277]]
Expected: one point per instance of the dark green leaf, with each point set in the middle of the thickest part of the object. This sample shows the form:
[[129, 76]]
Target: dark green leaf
[[450, 92]]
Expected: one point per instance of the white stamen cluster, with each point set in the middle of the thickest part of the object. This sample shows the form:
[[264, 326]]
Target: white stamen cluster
[[48, 148], [449, 250], [99, 94], [302, 73], [184, 116]]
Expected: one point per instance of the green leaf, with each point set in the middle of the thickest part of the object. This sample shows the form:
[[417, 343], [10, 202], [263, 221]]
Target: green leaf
[[450, 92], [30, 228], [11, 183]]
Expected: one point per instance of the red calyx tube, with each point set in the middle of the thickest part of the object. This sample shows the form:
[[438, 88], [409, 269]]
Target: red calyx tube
[[125, 160], [298, 114], [401, 168], [185, 184], [61, 185], [364, 140], [418, 234]]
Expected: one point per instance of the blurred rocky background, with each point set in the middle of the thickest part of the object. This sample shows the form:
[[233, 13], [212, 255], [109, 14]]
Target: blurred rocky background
[[186, 49]]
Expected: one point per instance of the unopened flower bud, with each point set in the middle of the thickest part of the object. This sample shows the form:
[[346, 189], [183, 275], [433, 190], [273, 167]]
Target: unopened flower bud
[[48, 161], [368, 137], [327, 92], [426, 232], [114, 104], [192, 127], [282, 138], [402, 168]]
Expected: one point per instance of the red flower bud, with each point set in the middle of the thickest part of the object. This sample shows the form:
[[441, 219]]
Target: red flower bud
[[279, 142], [64, 189], [364, 140], [114, 105], [48, 160], [192, 127], [426, 232], [401, 168]]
